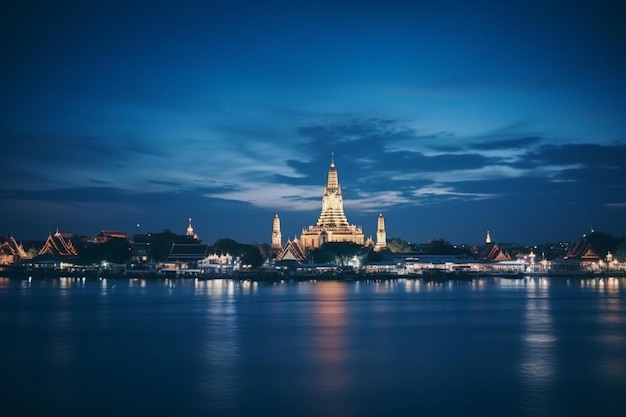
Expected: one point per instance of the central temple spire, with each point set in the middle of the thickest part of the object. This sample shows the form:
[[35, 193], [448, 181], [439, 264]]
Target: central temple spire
[[332, 185], [332, 214]]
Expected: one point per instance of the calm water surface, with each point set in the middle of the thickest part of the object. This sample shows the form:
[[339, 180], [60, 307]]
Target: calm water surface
[[495, 347]]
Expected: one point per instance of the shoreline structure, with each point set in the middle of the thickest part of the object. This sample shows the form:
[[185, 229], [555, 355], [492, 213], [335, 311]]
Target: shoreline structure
[[264, 274]]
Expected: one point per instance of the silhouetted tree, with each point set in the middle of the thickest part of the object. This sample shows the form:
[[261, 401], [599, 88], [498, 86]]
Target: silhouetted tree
[[251, 255], [161, 243], [620, 251], [602, 243], [398, 245], [443, 247], [374, 256], [336, 252], [225, 245], [114, 251]]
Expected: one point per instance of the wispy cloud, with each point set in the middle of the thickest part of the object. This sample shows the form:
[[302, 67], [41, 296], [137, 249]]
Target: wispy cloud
[[524, 143], [376, 201], [437, 190], [274, 196]]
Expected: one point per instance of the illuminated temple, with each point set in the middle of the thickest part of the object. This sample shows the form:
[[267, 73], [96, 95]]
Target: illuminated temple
[[332, 225]]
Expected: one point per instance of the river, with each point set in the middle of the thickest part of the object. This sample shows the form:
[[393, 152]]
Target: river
[[484, 347]]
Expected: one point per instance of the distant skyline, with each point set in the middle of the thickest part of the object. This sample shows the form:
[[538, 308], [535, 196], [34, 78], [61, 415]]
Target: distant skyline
[[451, 118]]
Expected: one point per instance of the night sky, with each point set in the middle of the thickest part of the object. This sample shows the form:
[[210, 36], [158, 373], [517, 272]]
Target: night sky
[[450, 118]]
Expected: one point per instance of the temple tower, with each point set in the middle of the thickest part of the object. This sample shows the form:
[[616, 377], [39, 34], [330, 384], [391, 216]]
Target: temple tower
[[332, 224], [381, 234], [190, 232], [277, 238], [332, 202]]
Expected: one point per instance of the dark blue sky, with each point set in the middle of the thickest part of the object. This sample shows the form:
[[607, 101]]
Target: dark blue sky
[[450, 118]]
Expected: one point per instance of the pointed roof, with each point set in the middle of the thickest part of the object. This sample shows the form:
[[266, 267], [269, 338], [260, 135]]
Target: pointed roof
[[11, 247], [493, 252], [292, 251], [583, 250], [58, 245], [187, 252], [332, 214]]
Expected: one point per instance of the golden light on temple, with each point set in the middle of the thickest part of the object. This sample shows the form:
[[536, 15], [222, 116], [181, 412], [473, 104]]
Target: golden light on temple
[[332, 224]]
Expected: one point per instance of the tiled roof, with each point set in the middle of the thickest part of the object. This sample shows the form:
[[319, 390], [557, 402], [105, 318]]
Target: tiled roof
[[188, 251], [291, 251], [58, 245], [582, 250]]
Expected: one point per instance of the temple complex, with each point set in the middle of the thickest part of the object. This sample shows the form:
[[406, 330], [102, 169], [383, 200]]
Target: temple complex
[[332, 224]]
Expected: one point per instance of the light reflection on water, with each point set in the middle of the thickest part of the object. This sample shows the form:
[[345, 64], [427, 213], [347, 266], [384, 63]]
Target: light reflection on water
[[321, 348], [219, 382], [331, 323], [539, 366], [328, 345], [219, 287], [612, 320]]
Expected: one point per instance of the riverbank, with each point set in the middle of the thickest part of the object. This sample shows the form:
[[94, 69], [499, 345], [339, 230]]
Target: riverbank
[[270, 275]]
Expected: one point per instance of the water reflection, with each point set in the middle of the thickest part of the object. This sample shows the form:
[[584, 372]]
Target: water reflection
[[219, 287], [412, 285], [329, 313], [415, 285], [329, 345], [612, 366], [538, 367], [228, 347], [137, 283], [478, 284], [61, 345], [219, 385], [603, 285]]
